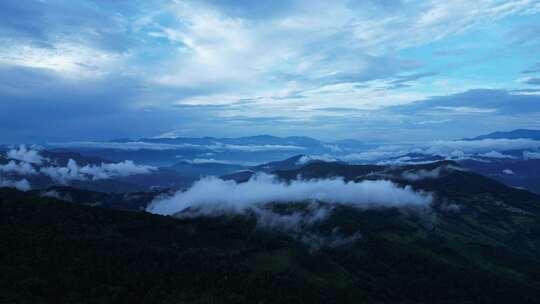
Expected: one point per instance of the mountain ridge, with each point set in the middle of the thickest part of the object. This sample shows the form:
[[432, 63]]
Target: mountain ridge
[[514, 134]]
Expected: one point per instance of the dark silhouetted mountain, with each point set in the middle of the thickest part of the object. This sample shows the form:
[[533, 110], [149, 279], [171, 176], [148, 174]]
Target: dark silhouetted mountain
[[480, 243], [239, 177], [197, 170], [250, 140], [291, 163], [513, 172], [61, 157], [287, 164], [134, 201], [328, 170]]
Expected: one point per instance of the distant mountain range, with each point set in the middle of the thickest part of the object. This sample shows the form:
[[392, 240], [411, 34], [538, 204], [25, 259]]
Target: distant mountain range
[[248, 140], [182, 160], [308, 141], [515, 134]]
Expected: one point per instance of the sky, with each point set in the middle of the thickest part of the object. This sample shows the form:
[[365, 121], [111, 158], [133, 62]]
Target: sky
[[369, 70]]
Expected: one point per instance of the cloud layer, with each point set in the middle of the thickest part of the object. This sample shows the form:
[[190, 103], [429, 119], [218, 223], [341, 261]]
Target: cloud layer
[[448, 149], [26, 155], [74, 172], [21, 184], [310, 203], [23, 161], [211, 196]]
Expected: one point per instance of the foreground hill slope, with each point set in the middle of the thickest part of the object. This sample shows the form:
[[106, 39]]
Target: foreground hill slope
[[480, 243]]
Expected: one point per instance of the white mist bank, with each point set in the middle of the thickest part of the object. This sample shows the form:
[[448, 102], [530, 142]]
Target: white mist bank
[[73, 171], [25, 161], [213, 196], [22, 185]]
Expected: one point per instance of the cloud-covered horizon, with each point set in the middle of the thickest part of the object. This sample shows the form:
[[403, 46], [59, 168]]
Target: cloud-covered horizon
[[341, 69], [447, 149]]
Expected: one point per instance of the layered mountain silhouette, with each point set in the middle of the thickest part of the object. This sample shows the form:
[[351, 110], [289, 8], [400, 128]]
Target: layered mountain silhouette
[[477, 242]]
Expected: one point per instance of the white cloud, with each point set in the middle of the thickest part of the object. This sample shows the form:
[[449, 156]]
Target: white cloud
[[124, 168], [305, 159], [53, 194], [211, 196], [161, 146], [207, 161], [449, 149], [531, 155], [466, 110], [445, 148], [428, 21], [26, 155], [29, 160], [262, 193], [508, 172], [73, 171], [253, 148], [421, 174], [66, 58], [495, 154], [134, 145], [247, 57], [305, 57], [21, 168], [429, 122], [22, 184]]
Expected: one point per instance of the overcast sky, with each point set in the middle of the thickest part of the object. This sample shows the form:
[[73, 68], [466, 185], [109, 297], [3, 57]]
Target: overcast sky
[[379, 69]]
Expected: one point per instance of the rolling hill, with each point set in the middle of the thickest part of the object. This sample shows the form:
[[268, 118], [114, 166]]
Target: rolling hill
[[479, 242]]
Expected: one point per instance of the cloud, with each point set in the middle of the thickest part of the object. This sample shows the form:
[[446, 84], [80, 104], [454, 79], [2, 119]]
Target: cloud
[[207, 161], [430, 122], [211, 196], [30, 162], [254, 148], [305, 159], [446, 148], [421, 174], [138, 145], [132, 146], [495, 154], [22, 185], [73, 172], [508, 172], [26, 155], [20, 168], [315, 202], [122, 68], [449, 149], [55, 194], [465, 110], [531, 155]]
